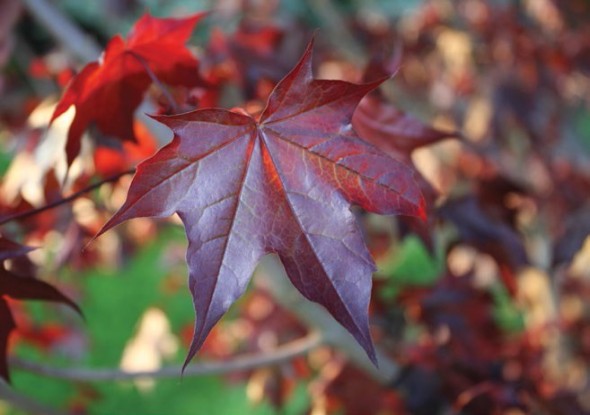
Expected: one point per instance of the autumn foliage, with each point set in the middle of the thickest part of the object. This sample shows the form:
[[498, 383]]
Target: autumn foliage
[[454, 251]]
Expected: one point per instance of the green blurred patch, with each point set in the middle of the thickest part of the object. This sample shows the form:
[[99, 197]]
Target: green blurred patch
[[506, 314], [113, 303], [409, 265], [582, 128], [5, 160], [6, 155]]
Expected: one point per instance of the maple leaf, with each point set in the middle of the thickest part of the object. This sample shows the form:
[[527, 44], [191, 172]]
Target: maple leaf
[[383, 124], [392, 130], [18, 287], [283, 184], [107, 92], [398, 134]]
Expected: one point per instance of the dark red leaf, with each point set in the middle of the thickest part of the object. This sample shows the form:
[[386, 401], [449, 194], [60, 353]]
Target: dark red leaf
[[382, 123], [352, 392], [255, 57], [494, 237], [262, 52], [7, 325], [392, 130], [107, 92], [281, 185], [455, 303], [486, 233], [28, 288], [20, 288], [10, 249], [397, 134]]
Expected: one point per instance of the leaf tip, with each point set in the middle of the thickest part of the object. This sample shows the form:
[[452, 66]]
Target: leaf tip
[[70, 303], [373, 357], [95, 237], [193, 349], [369, 348], [309, 48]]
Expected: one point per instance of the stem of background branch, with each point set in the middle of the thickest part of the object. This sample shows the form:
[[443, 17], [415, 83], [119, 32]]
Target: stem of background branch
[[73, 196], [281, 354], [156, 81], [63, 30], [16, 400]]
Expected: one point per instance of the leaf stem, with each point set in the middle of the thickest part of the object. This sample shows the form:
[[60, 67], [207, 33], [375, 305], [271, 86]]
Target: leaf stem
[[281, 354], [156, 80], [73, 196]]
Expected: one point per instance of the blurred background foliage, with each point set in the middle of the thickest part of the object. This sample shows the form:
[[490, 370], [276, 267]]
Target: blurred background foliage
[[484, 309]]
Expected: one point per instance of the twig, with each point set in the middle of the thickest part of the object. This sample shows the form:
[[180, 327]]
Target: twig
[[63, 30], [73, 196], [19, 401], [246, 362], [156, 81]]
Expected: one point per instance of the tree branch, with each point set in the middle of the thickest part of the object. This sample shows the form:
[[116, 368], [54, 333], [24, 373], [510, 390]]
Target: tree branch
[[246, 362], [165, 91], [16, 400], [63, 30], [73, 196]]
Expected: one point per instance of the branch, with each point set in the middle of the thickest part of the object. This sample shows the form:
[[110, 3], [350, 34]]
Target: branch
[[16, 400], [155, 80], [73, 196], [63, 30], [246, 362]]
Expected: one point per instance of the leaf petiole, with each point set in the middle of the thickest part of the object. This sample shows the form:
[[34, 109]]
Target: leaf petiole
[[165, 91]]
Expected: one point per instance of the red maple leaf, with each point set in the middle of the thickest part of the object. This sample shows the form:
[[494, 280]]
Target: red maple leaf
[[19, 287], [392, 130], [383, 124], [283, 184], [107, 92]]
